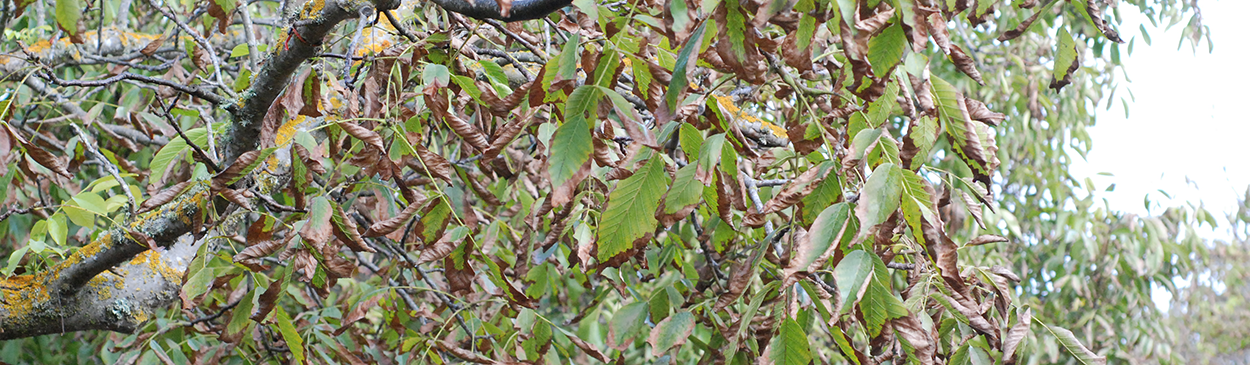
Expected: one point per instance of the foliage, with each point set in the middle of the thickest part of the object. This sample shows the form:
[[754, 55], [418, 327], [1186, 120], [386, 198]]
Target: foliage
[[584, 188]]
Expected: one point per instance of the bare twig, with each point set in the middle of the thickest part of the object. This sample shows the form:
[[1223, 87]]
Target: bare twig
[[253, 56], [399, 27], [170, 118], [193, 91], [516, 37], [108, 165], [203, 43]]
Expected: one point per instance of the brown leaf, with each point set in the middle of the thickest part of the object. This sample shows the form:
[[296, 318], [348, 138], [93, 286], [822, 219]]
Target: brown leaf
[[304, 264], [268, 299], [505, 135], [163, 197], [458, 273], [976, 319], [937, 29], [463, 354], [346, 231], [142, 238], [151, 47], [317, 230], [562, 194], [739, 278], [795, 191], [439, 250], [241, 165], [382, 228], [439, 104], [979, 112], [357, 314], [875, 22], [223, 18], [589, 349], [261, 229], [1095, 15], [987, 239], [911, 328], [241, 197], [430, 163], [306, 157], [1021, 28], [366, 135], [1017, 333], [1067, 77], [965, 64]]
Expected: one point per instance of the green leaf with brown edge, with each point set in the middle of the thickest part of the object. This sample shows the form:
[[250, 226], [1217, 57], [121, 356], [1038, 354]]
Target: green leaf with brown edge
[[959, 128], [679, 81], [571, 147], [885, 50], [790, 346], [672, 331], [243, 165], [1066, 60], [1072, 344], [317, 229], [630, 214], [67, 14], [824, 237], [626, 323], [880, 197], [916, 202], [879, 303], [686, 190], [852, 275]]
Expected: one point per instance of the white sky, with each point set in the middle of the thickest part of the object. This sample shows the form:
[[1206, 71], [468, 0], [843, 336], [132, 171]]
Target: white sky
[[1188, 131]]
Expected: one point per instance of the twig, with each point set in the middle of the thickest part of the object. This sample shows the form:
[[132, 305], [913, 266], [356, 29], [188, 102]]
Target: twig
[[517, 38], [253, 57], [203, 43], [399, 27], [14, 210], [900, 266], [275, 205], [196, 92], [170, 118], [112, 169]]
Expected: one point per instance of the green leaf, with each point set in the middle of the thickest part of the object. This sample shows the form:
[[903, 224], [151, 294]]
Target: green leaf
[[58, 229], [686, 190], [829, 190], [568, 58], [631, 209], [791, 347], [571, 147], [916, 202], [293, 341], [584, 98], [828, 228], [691, 140], [627, 322], [879, 303], [92, 202], [735, 27], [679, 82], [672, 331], [79, 216], [67, 14], [174, 149], [880, 197], [885, 50], [1065, 54], [239, 50], [852, 275], [435, 74], [1074, 346], [924, 135]]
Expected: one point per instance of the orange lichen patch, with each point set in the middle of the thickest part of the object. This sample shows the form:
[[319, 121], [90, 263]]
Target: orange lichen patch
[[103, 285], [286, 132]]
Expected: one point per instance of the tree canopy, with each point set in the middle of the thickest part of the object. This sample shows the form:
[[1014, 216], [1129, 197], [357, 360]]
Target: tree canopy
[[550, 181]]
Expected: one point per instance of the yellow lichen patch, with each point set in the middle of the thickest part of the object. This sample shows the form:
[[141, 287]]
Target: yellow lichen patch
[[102, 286], [312, 8], [736, 114], [22, 294], [152, 260], [286, 132], [374, 41]]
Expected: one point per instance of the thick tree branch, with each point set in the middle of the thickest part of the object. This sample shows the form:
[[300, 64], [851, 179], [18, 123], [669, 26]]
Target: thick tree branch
[[489, 9]]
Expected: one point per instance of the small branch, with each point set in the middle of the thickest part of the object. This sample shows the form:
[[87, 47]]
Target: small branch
[[517, 37], [14, 210], [199, 40], [108, 165], [170, 118], [398, 26], [900, 266], [196, 92]]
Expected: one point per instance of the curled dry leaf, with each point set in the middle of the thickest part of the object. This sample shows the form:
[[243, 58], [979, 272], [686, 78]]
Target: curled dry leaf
[[366, 135], [268, 299], [1017, 333], [439, 104], [163, 197], [987, 239], [241, 197], [979, 112], [507, 133], [432, 164], [965, 63], [382, 228], [359, 312], [1095, 15]]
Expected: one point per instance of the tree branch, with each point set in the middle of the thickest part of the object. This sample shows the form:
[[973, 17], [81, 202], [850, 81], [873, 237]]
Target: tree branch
[[489, 9]]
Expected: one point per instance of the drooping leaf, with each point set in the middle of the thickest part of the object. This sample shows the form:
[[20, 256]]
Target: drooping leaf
[[672, 331], [630, 214]]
